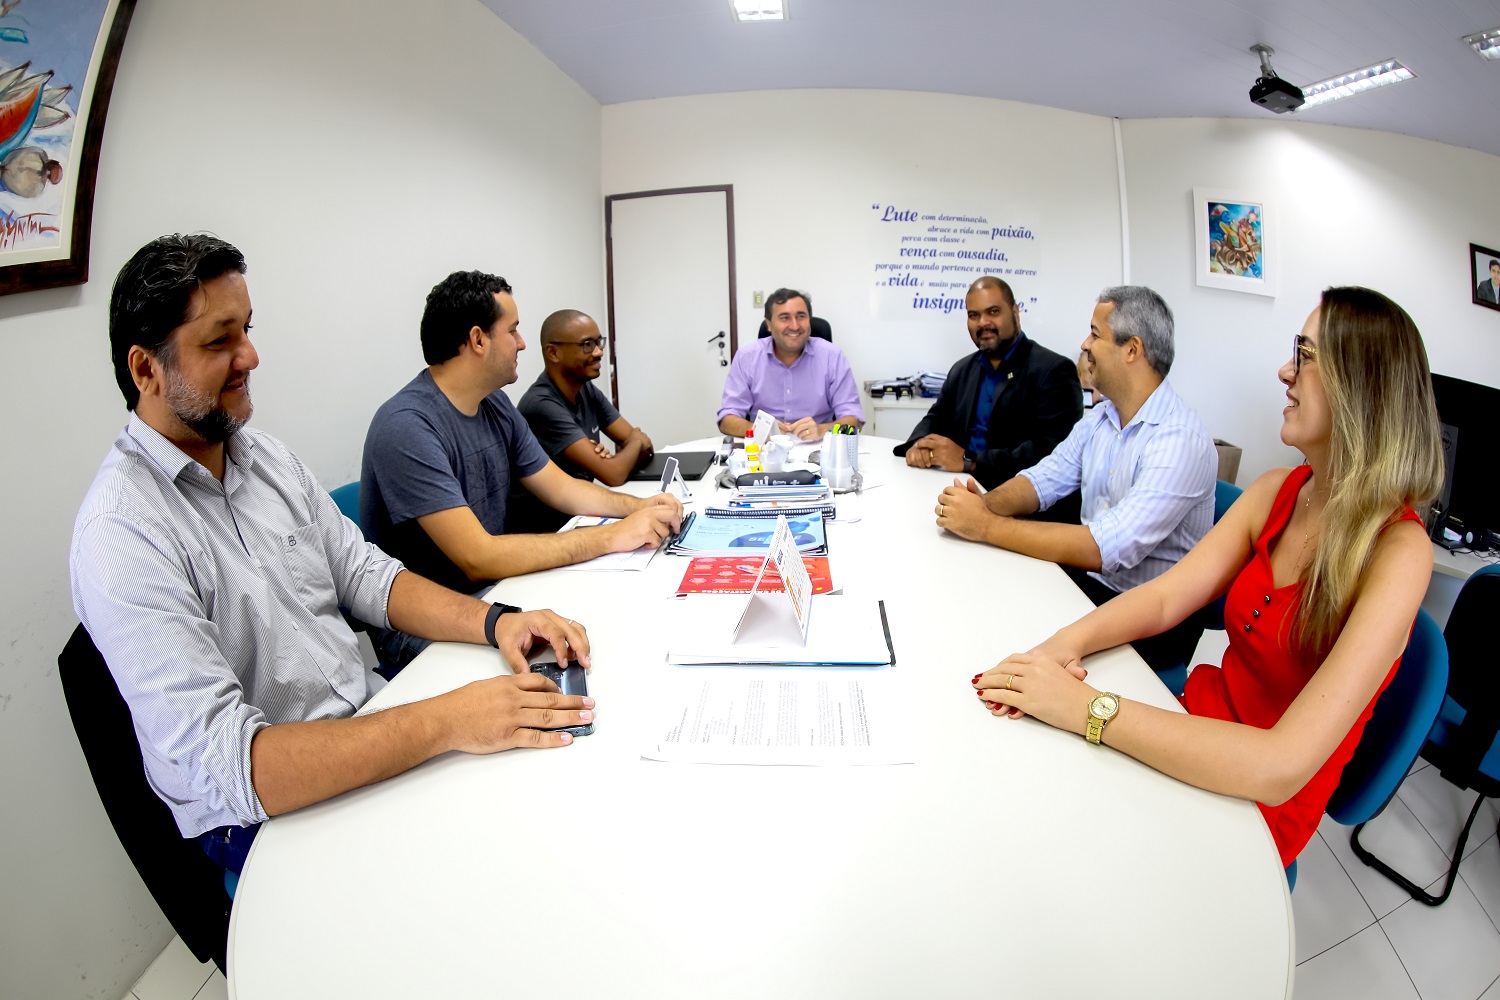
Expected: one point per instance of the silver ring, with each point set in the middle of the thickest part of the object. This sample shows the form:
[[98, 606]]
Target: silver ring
[[570, 621]]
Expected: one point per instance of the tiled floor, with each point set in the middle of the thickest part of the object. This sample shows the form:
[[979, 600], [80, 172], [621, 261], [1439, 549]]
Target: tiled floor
[[177, 975], [1358, 935]]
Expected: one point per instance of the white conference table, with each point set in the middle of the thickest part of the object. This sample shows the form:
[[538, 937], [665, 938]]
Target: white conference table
[[1011, 859]]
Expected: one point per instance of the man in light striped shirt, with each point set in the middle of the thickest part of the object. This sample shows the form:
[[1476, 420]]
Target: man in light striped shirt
[[210, 569], [1143, 458]]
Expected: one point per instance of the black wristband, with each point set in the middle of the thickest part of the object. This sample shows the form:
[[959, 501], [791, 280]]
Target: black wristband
[[492, 616]]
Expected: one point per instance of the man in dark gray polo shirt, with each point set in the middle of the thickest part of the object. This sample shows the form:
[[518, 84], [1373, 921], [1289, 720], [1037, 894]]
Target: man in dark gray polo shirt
[[567, 412]]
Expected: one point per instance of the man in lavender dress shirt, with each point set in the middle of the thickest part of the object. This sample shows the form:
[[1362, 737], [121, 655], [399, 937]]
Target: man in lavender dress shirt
[[806, 383]]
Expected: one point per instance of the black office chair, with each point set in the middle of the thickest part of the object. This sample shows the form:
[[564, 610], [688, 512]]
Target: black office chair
[[820, 328], [184, 881], [1462, 744]]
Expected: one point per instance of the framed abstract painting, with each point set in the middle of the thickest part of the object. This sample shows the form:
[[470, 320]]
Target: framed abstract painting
[[1233, 242], [57, 68]]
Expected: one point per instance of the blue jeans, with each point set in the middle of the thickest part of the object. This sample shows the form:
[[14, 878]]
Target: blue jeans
[[229, 845]]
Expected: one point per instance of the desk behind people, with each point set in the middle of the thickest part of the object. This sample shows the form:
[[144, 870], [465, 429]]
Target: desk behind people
[[1010, 857]]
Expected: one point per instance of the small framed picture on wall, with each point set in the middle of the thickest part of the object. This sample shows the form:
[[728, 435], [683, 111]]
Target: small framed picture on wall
[[1484, 275], [1233, 241]]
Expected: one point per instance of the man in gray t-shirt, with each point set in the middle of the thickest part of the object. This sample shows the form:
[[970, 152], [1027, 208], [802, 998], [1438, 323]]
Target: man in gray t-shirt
[[567, 413], [443, 453]]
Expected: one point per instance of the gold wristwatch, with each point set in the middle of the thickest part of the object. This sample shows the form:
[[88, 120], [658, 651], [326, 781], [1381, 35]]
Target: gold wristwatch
[[1104, 707]]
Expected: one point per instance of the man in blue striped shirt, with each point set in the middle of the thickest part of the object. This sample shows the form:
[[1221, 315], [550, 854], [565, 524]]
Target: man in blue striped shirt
[[1144, 461], [210, 569]]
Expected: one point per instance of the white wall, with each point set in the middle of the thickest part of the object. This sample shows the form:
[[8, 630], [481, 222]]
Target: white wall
[[806, 166], [357, 152], [1352, 207]]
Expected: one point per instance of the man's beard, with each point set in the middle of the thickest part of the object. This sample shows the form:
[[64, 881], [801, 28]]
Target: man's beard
[[1001, 345], [201, 411]]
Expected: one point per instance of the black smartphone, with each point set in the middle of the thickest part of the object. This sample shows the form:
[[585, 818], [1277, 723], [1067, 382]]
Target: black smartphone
[[570, 680]]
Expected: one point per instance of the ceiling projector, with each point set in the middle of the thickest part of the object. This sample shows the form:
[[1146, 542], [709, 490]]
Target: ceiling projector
[[1271, 91]]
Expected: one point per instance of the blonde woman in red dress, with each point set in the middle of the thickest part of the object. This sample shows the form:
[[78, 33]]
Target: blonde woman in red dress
[[1324, 566]]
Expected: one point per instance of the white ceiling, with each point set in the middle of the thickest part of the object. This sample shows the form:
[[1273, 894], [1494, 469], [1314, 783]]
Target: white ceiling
[[1121, 58]]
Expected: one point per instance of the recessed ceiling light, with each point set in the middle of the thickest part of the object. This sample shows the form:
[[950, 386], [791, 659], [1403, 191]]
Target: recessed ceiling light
[[758, 10], [1348, 84], [1486, 43]]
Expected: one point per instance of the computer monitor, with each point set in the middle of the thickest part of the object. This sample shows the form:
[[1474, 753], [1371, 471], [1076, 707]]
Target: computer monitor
[[1470, 417]]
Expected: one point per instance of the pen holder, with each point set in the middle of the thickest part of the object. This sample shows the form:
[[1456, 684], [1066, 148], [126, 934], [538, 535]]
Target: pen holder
[[839, 460], [773, 455]]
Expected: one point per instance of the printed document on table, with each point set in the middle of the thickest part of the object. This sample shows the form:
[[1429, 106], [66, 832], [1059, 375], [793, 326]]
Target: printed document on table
[[784, 716], [637, 559], [842, 631]]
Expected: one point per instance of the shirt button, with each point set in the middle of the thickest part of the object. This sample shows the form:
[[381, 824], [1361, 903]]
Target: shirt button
[[1256, 612], [1268, 598]]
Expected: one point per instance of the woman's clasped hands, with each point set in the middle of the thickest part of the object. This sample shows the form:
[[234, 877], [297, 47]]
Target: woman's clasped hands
[[1047, 682]]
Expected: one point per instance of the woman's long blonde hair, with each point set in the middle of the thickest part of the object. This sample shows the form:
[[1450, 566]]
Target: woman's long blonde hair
[[1385, 451]]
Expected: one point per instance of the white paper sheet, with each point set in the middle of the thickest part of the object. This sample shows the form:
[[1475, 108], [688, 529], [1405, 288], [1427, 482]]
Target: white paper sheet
[[781, 716], [614, 562], [842, 631]]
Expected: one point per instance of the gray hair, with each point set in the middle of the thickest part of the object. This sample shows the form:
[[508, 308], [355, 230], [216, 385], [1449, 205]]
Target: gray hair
[[1140, 312]]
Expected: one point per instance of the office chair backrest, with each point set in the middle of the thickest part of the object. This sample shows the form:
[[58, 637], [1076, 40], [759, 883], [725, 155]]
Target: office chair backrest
[[186, 884], [820, 328], [1397, 729], [1225, 494], [1469, 736], [347, 497]]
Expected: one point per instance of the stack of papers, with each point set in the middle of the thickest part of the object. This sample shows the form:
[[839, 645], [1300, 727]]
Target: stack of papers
[[768, 501], [731, 533], [931, 382]]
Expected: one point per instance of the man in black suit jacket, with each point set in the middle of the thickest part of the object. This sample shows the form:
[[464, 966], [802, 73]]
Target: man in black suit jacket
[[1489, 291], [1004, 407]]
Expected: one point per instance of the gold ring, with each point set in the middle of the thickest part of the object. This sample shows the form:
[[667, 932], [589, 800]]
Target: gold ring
[[1008, 679]]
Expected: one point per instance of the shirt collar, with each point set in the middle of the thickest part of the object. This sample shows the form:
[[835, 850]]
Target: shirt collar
[[808, 349], [1156, 409], [172, 459]]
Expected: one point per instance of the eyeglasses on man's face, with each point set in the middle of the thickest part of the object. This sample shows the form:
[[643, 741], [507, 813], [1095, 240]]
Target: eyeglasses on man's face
[[1302, 353], [590, 345]]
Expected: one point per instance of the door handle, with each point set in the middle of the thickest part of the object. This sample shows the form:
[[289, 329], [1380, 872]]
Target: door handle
[[718, 336]]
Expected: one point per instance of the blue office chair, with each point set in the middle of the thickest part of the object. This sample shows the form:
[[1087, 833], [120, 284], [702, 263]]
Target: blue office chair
[[1397, 729], [820, 328], [1225, 494], [347, 497], [1212, 615], [1393, 736], [1462, 744]]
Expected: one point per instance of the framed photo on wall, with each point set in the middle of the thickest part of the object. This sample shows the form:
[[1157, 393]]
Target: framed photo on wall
[[57, 68], [1484, 275], [1233, 241]]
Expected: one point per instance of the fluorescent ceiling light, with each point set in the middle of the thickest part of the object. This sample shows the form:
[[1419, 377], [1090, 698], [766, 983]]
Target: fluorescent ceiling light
[[1348, 84], [758, 10], [1486, 43]]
